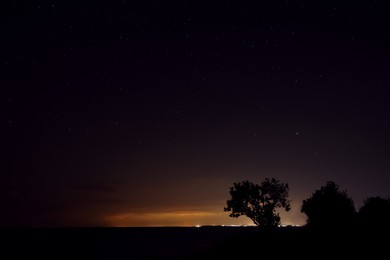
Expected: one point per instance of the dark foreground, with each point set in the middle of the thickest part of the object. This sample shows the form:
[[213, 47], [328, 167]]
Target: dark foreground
[[188, 243]]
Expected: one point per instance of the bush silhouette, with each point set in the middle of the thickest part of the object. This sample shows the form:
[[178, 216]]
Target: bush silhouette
[[259, 202], [375, 213], [329, 207]]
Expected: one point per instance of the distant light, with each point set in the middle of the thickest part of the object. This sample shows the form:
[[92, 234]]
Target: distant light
[[289, 225], [223, 225]]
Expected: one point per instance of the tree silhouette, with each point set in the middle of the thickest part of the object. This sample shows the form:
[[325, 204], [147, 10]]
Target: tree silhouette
[[259, 202], [375, 212], [328, 207]]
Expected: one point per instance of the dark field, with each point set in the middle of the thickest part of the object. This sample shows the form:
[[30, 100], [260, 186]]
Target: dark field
[[189, 243]]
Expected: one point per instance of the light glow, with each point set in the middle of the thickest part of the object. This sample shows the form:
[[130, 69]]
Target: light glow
[[174, 218]]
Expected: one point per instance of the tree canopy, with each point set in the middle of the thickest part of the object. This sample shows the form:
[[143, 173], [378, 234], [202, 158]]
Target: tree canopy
[[259, 202], [375, 212], [329, 206]]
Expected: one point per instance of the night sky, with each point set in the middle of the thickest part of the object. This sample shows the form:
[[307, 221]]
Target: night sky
[[144, 113]]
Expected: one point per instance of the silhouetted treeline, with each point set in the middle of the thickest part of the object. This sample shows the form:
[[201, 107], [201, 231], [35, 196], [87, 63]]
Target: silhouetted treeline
[[330, 208]]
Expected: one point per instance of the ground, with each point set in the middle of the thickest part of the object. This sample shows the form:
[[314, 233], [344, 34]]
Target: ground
[[187, 243]]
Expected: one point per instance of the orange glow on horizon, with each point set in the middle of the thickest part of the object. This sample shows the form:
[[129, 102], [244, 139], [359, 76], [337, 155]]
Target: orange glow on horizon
[[185, 218], [174, 218]]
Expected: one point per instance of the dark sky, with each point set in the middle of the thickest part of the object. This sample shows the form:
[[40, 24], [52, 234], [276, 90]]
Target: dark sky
[[136, 113]]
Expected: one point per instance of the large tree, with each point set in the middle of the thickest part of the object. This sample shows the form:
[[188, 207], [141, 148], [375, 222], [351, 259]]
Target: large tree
[[259, 202], [328, 207]]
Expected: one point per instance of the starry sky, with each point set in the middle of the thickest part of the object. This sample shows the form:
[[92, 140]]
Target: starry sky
[[144, 113]]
